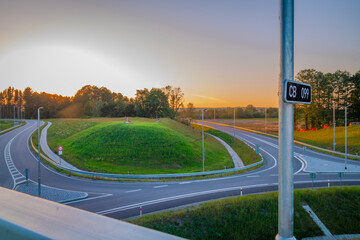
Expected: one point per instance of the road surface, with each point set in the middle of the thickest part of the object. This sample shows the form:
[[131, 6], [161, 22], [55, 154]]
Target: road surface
[[123, 199]]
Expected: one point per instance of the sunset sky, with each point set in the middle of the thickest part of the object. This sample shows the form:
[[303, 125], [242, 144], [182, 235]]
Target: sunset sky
[[220, 53]]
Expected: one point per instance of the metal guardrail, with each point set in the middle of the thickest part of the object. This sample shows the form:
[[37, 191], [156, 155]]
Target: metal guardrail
[[149, 176], [26, 217]]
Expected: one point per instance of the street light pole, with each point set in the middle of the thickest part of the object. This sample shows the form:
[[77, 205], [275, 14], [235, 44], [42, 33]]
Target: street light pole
[[14, 115], [39, 183], [234, 125], [203, 144], [286, 124], [265, 121], [334, 144], [346, 107]]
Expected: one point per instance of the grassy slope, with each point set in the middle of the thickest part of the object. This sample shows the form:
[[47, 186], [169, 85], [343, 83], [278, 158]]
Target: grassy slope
[[144, 146], [255, 216], [324, 138]]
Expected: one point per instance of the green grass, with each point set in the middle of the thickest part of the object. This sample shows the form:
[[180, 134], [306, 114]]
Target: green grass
[[324, 138], [142, 147], [256, 216], [247, 155], [6, 124]]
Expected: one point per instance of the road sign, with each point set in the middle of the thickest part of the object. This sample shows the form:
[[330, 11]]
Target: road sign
[[60, 152], [313, 175], [60, 148], [297, 92]]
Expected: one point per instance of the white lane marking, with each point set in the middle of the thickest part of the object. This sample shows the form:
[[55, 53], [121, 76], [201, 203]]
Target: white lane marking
[[302, 164], [184, 182], [118, 209], [266, 142], [274, 175], [254, 176], [161, 186], [239, 176], [15, 174], [87, 199], [135, 190]]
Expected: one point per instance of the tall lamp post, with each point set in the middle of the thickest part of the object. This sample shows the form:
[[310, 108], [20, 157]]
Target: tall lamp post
[[265, 121], [234, 125], [39, 183], [203, 144], [334, 144], [346, 107]]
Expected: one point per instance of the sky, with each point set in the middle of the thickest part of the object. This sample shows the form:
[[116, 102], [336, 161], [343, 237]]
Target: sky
[[220, 53]]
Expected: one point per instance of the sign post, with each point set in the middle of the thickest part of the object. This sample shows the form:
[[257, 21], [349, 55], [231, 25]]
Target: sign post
[[60, 150], [289, 92]]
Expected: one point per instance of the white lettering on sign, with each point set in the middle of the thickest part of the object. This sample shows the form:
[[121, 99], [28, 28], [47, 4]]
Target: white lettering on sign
[[292, 91]]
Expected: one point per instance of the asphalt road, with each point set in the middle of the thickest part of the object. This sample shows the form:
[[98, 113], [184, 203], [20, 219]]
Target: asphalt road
[[123, 199]]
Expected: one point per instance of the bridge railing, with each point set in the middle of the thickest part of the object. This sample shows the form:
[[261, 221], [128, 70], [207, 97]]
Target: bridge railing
[[26, 217]]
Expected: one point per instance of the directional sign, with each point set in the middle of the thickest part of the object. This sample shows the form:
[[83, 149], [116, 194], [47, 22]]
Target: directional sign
[[313, 175], [297, 92]]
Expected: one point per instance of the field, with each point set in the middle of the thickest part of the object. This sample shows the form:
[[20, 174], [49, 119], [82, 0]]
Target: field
[[255, 216], [257, 124], [324, 138], [142, 147]]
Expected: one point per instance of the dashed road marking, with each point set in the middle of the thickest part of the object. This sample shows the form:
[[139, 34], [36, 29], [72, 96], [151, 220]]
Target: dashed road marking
[[136, 190], [184, 182], [161, 186]]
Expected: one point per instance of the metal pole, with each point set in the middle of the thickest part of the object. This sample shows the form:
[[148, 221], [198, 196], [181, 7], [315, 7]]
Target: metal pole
[[14, 115], [334, 124], [286, 124], [265, 121], [203, 145], [214, 114], [39, 183], [234, 125], [346, 137]]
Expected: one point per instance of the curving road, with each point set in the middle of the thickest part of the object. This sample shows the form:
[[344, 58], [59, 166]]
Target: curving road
[[123, 199]]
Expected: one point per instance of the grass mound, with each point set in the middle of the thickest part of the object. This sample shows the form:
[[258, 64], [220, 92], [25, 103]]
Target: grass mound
[[142, 147], [256, 216]]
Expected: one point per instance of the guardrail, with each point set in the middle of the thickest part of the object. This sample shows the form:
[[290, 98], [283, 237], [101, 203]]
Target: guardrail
[[26, 217], [148, 176], [295, 141]]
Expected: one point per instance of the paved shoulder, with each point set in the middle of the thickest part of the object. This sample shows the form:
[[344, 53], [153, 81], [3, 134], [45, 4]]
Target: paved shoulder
[[46, 149], [236, 159]]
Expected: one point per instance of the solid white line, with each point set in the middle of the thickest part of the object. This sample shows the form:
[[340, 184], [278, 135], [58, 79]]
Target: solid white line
[[136, 190], [161, 186], [254, 176], [87, 199], [274, 175], [118, 209]]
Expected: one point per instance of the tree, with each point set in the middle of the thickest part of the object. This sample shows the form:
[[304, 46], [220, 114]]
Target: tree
[[354, 99], [156, 104], [190, 111], [175, 98]]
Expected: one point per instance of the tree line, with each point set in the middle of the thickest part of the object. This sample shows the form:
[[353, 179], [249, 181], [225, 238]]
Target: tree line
[[228, 113], [329, 91], [91, 101]]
